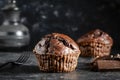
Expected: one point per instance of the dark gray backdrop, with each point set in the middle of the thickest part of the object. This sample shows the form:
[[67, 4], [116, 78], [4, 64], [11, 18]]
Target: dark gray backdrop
[[71, 17]]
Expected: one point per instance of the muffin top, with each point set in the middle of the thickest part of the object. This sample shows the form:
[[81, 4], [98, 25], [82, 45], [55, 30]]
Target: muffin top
[[56, 43], [96, 35]]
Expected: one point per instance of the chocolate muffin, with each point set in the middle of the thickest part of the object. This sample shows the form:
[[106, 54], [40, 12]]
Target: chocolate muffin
[[57, 53], [95, 43]]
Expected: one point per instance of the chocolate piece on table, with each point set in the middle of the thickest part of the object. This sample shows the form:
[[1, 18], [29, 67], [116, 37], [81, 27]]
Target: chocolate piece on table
[[107, 63]]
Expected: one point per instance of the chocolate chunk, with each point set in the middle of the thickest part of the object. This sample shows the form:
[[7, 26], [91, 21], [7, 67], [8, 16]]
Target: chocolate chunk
[[106, 63]]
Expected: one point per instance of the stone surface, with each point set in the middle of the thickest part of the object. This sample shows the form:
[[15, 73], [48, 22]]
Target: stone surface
[[30, 71]]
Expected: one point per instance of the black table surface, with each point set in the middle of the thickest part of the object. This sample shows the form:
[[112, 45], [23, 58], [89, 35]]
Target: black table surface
[[30, 70]]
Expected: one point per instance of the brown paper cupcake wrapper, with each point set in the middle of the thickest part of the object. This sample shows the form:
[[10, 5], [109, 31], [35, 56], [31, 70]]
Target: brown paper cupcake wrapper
[[55, 63], [93, 49]]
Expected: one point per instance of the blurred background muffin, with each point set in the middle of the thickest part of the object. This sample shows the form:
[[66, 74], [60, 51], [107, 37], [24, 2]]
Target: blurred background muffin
[[95, 43]]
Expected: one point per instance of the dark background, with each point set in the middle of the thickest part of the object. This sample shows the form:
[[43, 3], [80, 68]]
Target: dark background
[[71, 17]]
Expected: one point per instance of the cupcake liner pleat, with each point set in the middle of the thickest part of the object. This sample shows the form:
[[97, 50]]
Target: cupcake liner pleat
[[93, 49], [57, 63]]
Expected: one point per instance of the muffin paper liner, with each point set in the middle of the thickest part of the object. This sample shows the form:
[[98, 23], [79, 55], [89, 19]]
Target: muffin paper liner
[[57, 63], [94, 49]]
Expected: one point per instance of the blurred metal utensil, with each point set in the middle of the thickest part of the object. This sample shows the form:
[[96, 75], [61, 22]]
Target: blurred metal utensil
[[21, 60]]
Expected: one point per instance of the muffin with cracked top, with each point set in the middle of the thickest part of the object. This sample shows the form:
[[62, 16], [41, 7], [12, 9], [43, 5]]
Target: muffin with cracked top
[[95, 43], [57, 53]]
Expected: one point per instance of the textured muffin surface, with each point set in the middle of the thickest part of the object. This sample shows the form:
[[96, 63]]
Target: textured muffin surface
[[96, 35], [58, 44]]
